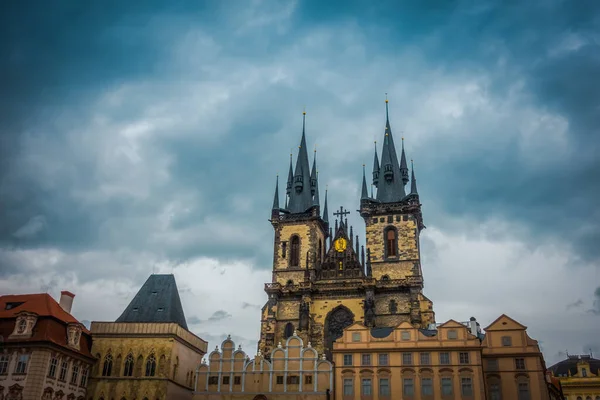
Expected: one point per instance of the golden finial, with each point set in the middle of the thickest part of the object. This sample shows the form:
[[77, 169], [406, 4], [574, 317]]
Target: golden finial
[[386, 99], [299, 147]]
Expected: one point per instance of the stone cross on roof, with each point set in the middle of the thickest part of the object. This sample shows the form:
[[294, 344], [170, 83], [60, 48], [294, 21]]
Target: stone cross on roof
[[341, 213]]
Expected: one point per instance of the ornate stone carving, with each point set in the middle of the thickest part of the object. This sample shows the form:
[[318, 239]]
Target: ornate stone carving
[[336, 321]]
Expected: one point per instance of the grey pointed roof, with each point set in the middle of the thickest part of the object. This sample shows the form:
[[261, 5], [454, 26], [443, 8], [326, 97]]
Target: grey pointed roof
[[314, 181], [301, 199], [290, 180], [364, 193], [276, 198], [389, 190], [325, 210], [157, 301], [403, 165], [375, 167], [413, 181]]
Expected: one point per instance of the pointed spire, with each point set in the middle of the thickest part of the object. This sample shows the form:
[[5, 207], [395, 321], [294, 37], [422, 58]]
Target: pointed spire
[[290, 180], [403, 166], [325, 210], [276, 198], [313, 173], [301, 198], [364, 193], [389, 188], [316, 200], [375, 167], [413, 181]]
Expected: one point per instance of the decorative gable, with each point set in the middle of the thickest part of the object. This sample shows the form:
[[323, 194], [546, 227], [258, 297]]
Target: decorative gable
[[505, 323], [341, 261], [24, 325]]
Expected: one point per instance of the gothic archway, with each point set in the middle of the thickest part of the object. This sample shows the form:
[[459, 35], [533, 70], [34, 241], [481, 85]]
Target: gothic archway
[[337, 320]]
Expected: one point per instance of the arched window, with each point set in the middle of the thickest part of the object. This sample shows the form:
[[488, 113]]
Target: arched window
[[107, 368], [151, 365], [128, 369], [391, 243], [385, 278], [295, 251], [289, 330], [22, 326]]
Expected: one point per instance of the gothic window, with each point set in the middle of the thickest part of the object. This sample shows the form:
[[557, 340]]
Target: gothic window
[[393, 306], [107, 367], [391, 242], [151, 365], [128, 368], [295, 251], [283, 249], [289, 330]]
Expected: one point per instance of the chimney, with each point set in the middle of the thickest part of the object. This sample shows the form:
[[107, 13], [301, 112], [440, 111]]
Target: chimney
[[66, 300], [473, 323]]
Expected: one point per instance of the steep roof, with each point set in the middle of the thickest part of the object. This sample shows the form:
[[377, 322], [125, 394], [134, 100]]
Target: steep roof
[[157, 301], [570, 365], [40, 303]]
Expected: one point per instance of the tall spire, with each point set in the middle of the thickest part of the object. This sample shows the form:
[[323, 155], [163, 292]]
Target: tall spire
[[276, 198], [413, 181], [403, 166], [290, 181], [365, 193], [390, 188], [316, 200], [375, 167], [325, 210], [301, 198]]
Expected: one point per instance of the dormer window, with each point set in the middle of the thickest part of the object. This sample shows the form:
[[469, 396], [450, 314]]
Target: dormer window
[[74, 335], [24, 324]]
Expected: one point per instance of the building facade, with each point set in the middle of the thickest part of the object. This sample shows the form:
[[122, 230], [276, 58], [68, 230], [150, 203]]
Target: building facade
[[323, 280], [44, 352], [293, 371], [579, 376], [148, 352], [453, 361]]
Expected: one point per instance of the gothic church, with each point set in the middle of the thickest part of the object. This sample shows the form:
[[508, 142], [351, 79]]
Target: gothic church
[[323, 280]]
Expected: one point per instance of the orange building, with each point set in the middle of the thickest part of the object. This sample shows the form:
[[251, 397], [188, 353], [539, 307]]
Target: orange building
[[294, 371], [448, 361], [579, 377], [44, 351]]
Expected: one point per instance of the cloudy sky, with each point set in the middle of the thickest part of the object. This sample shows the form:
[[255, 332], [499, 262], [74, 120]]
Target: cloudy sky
[[139, 139]]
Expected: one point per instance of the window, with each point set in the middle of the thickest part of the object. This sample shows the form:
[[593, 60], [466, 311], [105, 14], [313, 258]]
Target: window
[[63, 371], [583, 372], [445, 358], [466, 386], [4, 364], [22, 326], [519, 363], [408, 386], [446, 386], [289, 330], [390, 243], [452, 334], [366, 359], [237, 380], [75, 374], [495, 393], [151, 365], [347, 359], [383, 359], [506, 341], [406, 358], [307, 379], [523, 391], [356, 336], [214, 380], [129, 362], [107, 368], [426, 387], [464, 358], [295, 251], [366, 386], [384, 386], [424, 358], [348, 387], [405, 335], [279, 379], [84, 376], [22, 362], [293, 380], [492, 364], [52, 368]]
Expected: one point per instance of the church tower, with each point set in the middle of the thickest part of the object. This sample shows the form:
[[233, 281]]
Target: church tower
[[323, 280], [394, 222]]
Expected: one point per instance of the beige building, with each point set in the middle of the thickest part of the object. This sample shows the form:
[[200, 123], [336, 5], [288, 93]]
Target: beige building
[[148, 353], [452, 361], [579, 377], [44, 350], [294, 371]]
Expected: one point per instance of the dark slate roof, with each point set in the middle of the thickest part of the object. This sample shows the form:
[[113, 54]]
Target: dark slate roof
[[428, 332], [389, 191], [381, 333], [301, 201], [570, 364], [157, 301]]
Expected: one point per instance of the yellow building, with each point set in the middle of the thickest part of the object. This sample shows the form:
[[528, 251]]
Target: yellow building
[[452, 361], [148, 353], [293, 371], [323, 279], [579, 376]]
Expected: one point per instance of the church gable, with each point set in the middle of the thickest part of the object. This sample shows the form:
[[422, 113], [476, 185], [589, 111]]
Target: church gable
[[505, 323], [341, 261]]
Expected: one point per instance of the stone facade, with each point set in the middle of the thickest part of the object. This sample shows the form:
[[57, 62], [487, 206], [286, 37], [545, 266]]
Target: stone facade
[[293, 371], [144, 361]]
